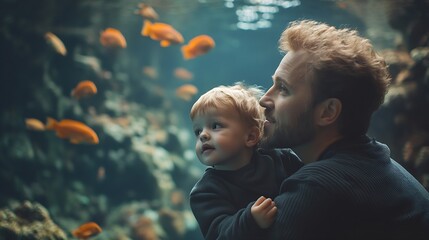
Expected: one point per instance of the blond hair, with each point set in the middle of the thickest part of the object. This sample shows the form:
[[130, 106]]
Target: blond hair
[[340, 65], [239, 97]]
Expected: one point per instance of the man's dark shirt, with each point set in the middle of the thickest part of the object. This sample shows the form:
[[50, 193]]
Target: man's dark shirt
[[354, 191]]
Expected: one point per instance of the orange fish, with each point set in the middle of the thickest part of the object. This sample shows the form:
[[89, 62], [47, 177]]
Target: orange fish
[[183, 74], [112, 38], [75, 131], [87, 230], [56, 43], [34, 124], [186, 92], [147, 11], [197, 46], [162, 32], [84, 89]]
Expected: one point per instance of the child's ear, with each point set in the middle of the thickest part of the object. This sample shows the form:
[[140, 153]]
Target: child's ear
[[253, 137]]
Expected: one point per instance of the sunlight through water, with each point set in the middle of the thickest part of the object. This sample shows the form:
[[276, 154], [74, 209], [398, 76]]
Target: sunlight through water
[[256, 14]]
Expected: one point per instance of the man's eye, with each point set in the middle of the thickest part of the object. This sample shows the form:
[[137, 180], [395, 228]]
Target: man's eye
[[283, 88], [216, 126]]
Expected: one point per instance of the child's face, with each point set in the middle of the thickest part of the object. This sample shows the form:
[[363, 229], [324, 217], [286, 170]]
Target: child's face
[[221, 139]]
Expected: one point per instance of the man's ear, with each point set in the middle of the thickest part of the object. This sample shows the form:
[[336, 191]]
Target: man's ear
[[328, 111], [253, 137]]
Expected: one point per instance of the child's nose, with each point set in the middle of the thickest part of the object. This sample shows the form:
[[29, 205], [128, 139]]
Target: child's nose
[[204, 136]]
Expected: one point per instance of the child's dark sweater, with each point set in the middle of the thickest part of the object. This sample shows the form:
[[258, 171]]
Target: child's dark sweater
[[221, 200]]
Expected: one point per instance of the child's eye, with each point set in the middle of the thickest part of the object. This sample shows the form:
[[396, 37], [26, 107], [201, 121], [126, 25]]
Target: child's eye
[[217, 125], [197, 132]]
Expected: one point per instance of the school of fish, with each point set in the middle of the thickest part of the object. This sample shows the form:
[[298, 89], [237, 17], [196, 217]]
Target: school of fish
[[77, 132]]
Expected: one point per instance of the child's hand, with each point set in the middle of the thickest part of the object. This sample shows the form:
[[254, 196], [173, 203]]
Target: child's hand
[[264, 211]]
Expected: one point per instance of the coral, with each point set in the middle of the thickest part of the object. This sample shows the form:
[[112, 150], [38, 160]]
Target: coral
[[173, 223], [144, 229], [177, 199], [402, 120], [28, 221]]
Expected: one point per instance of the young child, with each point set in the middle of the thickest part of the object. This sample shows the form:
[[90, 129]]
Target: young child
[[228, 123]]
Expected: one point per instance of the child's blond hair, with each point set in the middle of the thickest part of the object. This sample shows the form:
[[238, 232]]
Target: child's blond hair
[[241, 98]]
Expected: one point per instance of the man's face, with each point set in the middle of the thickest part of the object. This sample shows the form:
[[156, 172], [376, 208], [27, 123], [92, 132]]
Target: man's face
[[288, 109]]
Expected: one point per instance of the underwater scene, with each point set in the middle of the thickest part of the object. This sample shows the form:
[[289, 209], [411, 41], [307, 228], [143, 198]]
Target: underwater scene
[[96, 140]]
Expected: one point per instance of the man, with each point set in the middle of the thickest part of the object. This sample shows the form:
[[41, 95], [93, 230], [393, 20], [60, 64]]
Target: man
[[324, 92]]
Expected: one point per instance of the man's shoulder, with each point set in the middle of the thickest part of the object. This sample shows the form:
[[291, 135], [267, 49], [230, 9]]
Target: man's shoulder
[[277, 152], [326, 172], [318, 166], [281, 158]]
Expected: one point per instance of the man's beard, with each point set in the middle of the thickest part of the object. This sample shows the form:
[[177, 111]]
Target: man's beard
[[292, 133]]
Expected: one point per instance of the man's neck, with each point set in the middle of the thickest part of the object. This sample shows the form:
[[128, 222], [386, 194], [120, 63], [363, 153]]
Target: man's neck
[[311, 151]]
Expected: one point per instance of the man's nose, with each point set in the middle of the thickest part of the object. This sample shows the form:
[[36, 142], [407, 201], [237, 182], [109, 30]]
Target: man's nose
[[266, 101]]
